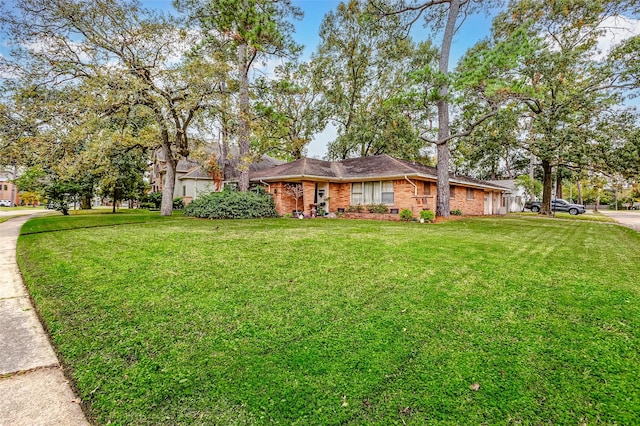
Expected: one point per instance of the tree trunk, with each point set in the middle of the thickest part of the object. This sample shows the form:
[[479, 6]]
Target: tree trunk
[[115, 200], [442, 203], [243, 120], [443, 193], [85, 202], [168, 188], [547, 180], [558, 186], [579, 189]]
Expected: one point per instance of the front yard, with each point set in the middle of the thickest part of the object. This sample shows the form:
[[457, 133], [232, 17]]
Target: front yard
[[475, 321]]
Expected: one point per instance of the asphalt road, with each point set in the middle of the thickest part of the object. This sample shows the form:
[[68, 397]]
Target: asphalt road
[[629, 218]]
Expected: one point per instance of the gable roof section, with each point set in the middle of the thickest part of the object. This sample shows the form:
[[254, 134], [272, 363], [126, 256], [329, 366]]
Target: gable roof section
[[377, 167]]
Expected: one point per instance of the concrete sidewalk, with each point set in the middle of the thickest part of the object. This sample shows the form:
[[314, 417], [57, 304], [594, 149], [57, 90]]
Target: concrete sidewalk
[[33, 390]]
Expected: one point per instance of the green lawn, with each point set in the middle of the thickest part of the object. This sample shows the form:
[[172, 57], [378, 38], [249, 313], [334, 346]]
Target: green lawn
[[327, 322]]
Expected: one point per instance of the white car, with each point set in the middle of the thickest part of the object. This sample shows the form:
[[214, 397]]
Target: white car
[[5, 203]]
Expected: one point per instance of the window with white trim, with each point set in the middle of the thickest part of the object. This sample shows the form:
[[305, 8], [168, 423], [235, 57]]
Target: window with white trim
[[387, 192], [377, 192]]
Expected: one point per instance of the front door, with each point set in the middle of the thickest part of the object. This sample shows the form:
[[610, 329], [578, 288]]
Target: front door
[[322, 198], [487, 203]]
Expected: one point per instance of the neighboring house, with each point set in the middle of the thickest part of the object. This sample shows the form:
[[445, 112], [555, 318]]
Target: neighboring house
[[8, 190], [192, 178], [380, 179], [514, 200]]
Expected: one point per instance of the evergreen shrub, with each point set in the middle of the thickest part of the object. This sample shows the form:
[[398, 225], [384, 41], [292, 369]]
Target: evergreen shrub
[[232, 205]]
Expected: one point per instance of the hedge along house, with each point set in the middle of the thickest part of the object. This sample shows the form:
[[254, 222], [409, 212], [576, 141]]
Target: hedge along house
[[334, 186]]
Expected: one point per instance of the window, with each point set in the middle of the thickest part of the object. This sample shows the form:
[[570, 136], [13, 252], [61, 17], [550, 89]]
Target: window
[[427, 188], [356, 193], [387, 192], [372, 192], [452, 191], [184, 190], [470, 193], [5, 187]]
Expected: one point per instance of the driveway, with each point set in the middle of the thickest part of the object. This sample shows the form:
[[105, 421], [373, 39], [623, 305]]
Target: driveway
[[629, 218]]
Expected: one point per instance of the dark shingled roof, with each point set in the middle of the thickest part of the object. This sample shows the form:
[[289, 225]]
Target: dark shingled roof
[[265, 162], [353, 169]]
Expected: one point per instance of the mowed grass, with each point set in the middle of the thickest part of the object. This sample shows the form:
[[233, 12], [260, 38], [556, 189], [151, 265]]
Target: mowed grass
[[328, 322]]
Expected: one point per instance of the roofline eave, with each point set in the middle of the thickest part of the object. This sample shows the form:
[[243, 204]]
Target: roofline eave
[[293, 178]]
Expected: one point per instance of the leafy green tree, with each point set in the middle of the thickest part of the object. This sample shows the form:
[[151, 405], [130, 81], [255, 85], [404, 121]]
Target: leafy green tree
[[359, 68], [289, 112], [532, 188], [125, 56], [442, 19], [566, 87], [495, 150], [254, 28]]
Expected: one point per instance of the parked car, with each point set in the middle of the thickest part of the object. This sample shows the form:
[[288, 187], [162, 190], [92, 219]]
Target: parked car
[[5, 203], [557, 205]]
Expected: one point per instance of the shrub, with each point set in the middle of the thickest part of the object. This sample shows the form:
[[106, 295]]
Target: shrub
[[456, 212], [427, 215], [178, 203], [148, 206], [154, 198], [406, 215], [232, 205], [355, 209], [377, 208]]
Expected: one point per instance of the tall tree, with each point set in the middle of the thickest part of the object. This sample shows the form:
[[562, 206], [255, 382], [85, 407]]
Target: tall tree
[[289, 112], [443, 18], [254, 28], [127, 55], [563, 82], [359, 68]]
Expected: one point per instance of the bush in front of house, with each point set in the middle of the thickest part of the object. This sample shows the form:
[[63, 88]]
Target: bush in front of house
[[427, 215], [358, 208], [178, 203], [377, 208], [406, 215], [456, 212], [152, 199], [232, 205]]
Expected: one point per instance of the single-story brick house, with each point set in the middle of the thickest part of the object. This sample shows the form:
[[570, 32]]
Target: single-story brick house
[[333, 186]]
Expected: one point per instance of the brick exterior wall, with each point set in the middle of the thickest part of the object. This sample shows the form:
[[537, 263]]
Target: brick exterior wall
[[309, 196], [285, 202], [5, 192], [404, 197], [471, 207]]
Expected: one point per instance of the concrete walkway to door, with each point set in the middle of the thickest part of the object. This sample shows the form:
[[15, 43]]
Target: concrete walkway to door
[[33, 388], [628, 218]]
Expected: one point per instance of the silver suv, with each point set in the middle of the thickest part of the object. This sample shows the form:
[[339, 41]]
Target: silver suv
[[5, 203]]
